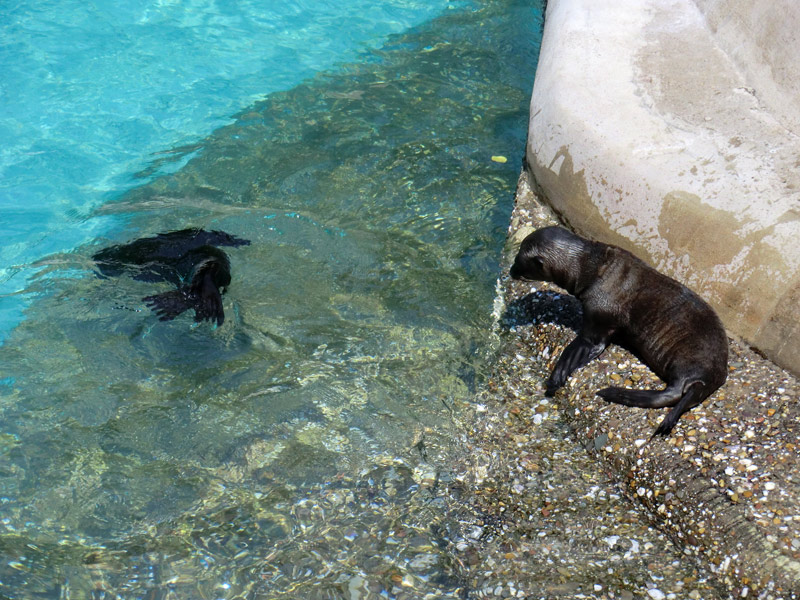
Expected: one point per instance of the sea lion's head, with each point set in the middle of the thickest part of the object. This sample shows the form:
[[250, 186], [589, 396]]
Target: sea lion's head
[[550, 254], [212, 265]]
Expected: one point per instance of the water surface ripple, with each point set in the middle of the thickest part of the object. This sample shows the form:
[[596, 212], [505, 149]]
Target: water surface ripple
[[296, 451]]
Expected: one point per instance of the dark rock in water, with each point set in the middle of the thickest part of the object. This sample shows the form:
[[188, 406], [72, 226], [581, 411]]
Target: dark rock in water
[[188, 258]]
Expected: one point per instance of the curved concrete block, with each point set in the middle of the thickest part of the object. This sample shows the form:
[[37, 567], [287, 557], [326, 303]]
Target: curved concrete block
[[673, 132]]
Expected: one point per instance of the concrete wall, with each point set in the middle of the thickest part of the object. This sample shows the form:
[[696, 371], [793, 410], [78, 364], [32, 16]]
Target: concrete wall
[[761, 39], [670, 127]]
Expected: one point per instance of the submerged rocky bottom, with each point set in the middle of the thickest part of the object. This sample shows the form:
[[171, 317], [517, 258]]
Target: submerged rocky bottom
[[549, 523], [520, 512]]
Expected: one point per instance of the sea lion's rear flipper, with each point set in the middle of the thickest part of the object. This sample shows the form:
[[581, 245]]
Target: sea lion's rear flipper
[[695, 393], [221, 238], [670, 396], [170, 304], [640, 398]]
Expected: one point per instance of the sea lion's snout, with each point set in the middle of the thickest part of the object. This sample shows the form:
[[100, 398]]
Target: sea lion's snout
[[528, 265], [527, 271]]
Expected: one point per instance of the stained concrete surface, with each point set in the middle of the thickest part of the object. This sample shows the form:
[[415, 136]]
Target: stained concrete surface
[[671, 128]]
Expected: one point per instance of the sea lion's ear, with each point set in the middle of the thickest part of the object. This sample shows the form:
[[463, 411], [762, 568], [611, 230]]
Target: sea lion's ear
[[535, 267]]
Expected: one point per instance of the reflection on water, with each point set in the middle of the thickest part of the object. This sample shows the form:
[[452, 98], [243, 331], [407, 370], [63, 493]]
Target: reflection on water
[[296, 450]]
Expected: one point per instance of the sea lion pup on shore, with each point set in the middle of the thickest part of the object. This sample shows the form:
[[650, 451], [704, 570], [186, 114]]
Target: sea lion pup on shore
[[187, 258], [666, 325]]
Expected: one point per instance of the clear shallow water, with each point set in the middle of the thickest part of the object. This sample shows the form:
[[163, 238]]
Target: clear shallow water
[[295, 451], [89, 92]]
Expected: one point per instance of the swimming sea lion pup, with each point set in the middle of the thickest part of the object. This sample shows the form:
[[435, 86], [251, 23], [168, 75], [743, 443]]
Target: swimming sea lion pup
[[666, 325], [187, 258]]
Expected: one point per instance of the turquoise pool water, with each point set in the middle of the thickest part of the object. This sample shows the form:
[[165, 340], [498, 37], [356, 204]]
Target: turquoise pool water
[[97, 97], [296, 451]]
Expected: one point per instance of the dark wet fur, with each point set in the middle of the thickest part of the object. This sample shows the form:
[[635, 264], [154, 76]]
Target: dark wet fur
[[188, 255], [666, 325]]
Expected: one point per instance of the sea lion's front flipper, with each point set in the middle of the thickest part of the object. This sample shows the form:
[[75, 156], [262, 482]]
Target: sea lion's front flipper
[[577, 354], [170, 304], [207, 300]]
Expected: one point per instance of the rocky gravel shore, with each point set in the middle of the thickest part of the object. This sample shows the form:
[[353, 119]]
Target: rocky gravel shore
[[725, 486]]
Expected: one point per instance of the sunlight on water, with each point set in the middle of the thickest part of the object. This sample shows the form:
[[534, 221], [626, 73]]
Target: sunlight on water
[[296, 450], [89, 92]]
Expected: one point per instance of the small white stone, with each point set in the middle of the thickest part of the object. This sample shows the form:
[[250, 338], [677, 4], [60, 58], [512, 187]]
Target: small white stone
[[656, 594], [770, 485]]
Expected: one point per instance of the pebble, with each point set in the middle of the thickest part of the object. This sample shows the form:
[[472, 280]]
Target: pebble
[[723, 442]]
